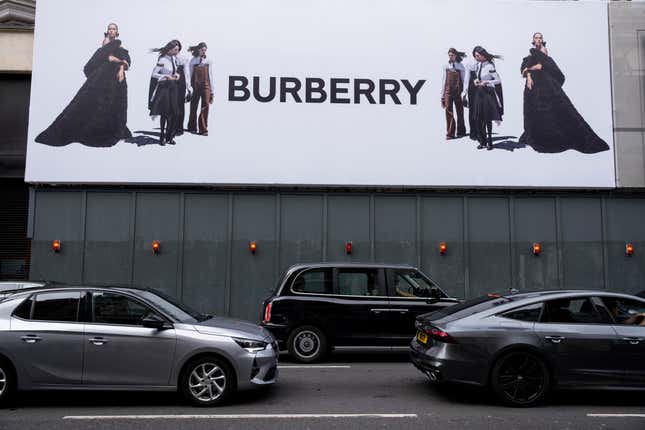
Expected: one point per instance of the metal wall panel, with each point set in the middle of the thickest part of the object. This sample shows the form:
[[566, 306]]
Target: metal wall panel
[[489, 245], [625, 224], [442, 220], [301, 230], [534, 220], [395, 230], [348, 219], [108, 239], [581, 243], [253, 275], [157, 218], [60, 216], [205, 252]]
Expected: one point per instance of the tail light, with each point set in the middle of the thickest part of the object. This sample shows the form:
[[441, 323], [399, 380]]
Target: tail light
[[267, 312], [439, 335]]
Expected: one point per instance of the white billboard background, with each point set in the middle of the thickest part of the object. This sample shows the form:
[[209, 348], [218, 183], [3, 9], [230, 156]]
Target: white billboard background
[[323, 144]]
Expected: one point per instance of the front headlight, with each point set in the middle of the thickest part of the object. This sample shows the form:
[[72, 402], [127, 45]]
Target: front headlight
[[251, 345]]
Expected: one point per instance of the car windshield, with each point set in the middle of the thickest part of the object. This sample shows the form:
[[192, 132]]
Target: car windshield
[[174, 308], [470, 307]]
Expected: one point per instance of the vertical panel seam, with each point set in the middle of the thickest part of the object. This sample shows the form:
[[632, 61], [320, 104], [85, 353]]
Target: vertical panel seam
[[83, 232], [133, 232], [418, 226], [229, 256], [466, 246], [324, 226], [180, 244], [277, 236], [372, 221], [603, 241], [558, 242], [511, 237]]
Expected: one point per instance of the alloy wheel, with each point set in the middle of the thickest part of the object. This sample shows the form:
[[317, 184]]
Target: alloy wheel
[[207, 382], [3, 381], [306, 344], [521, 378]]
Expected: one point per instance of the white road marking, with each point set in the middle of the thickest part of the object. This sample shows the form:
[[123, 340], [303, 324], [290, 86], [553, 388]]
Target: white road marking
[[233, 417], [616, 415], [297, 366]]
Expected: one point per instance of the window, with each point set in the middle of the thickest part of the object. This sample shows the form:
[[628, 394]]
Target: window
[[314, 282], [59, 306], [24, 309], [359, 283], [410, 283], [530, 313], [625, 311], [572, 311], [110, 308]]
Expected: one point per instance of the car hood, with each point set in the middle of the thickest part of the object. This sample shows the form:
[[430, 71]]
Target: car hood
[[233, 327]]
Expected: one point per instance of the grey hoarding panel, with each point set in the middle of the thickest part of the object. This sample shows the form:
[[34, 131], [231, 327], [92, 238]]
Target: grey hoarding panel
[[108, 240], [205, 252], [348, 219], [625, 225], [582, 255], [442, 220], [535, 222], [489, 248], [395, 230], [157, 218], [301, 235], [253, 275], [59, 216]]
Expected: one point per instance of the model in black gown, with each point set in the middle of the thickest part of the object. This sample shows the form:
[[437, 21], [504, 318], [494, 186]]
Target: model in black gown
[[551, 122], [97, 115]]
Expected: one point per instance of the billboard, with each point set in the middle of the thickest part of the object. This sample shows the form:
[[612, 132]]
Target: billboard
[[428, 93]]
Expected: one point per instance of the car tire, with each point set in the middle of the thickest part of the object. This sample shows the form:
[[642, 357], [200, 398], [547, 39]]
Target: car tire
[[208, 381], [7, 383], [521, 379], [307, 344]]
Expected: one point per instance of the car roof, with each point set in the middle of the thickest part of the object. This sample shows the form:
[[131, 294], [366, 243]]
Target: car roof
[[61, 286], [352, 264]]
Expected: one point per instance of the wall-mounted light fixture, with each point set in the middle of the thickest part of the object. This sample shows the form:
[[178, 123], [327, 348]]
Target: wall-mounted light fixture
[[629, 249], [253, 247], [349, 247], [443, 248], [537, 248], [156, 247], [56, 245]]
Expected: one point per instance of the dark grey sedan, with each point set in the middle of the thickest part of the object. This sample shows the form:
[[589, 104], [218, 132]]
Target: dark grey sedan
[[90, 338], [523, 345]]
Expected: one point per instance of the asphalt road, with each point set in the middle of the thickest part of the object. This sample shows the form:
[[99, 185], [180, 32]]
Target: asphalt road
[[353, 391]]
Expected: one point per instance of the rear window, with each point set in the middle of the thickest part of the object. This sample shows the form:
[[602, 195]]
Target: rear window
[[318, 281], [470, 307]]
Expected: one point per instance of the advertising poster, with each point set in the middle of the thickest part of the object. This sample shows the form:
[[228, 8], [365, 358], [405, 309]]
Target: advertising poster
[[424, 93]]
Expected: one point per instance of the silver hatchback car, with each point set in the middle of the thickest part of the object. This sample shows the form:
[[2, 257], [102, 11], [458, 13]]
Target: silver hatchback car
[[89, 338]]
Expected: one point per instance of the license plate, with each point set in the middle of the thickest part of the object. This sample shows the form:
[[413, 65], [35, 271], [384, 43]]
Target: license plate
[[422, 337]]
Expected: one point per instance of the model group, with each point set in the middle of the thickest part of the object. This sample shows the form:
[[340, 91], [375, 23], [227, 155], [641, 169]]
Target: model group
[[97, 115], [551, 122]]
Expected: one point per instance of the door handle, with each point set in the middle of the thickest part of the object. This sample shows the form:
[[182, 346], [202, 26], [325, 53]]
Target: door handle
[[633, 340], [555, 339], [378, 311], [31, 338], [98, 341], [401, 311]]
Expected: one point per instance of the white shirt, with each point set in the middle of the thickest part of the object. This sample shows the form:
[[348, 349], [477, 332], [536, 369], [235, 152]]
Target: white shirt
[[486, 72], [458, 67]]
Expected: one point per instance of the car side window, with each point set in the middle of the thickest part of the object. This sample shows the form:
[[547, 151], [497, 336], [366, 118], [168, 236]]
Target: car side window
[[529, 313], [410, 283], [359, 282], [24, 309], [625, 311], [57, 306], [111, 308], [318, 281], [577, 310]]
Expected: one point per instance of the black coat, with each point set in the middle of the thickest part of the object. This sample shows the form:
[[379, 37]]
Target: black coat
[[551, 122], [97, 115]]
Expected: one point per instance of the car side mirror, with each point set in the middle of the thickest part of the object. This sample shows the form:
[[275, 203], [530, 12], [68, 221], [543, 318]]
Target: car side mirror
[[436, 294], [154, 321]]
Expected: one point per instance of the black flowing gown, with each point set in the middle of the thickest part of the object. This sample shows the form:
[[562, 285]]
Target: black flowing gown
[[551, 122], [97, 115]]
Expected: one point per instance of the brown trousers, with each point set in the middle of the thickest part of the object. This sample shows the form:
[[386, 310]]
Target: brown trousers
[[201, 94], [452, 97]]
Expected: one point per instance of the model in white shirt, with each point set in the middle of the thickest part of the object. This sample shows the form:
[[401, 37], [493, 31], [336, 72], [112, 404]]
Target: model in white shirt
[[201, 75]]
